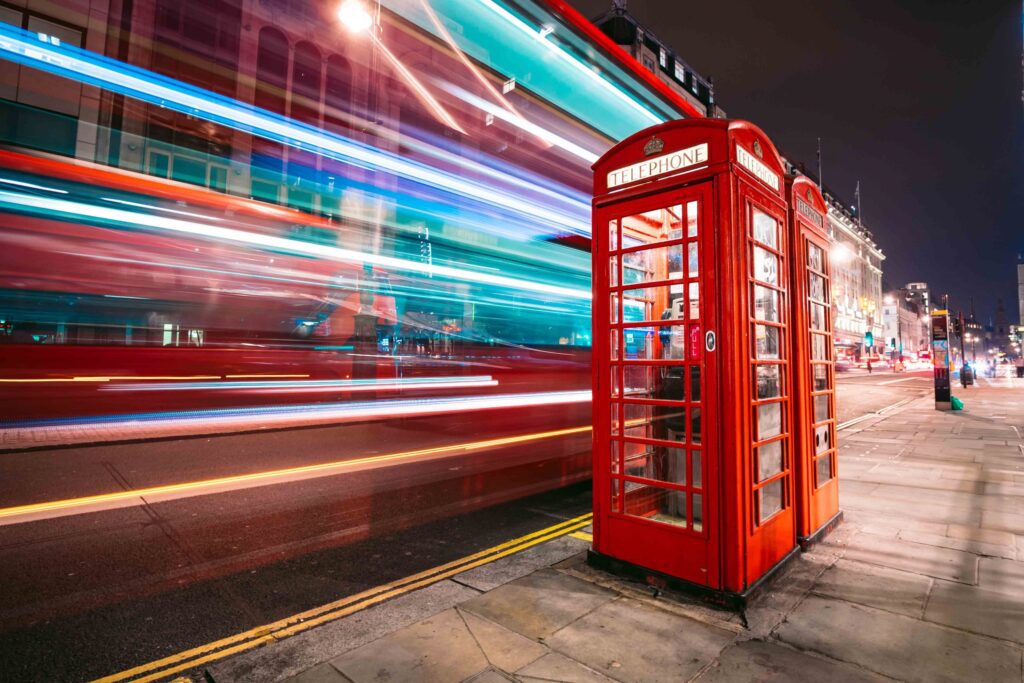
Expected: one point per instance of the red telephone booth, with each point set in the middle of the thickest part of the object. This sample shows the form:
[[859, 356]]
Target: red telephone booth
[[814, 432], [692, 445]]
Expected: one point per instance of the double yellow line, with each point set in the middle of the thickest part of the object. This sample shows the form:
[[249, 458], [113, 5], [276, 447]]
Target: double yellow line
[[290, 626]]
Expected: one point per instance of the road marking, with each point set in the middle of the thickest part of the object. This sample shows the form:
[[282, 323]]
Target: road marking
[[583, 536], [332, 611], [868, 416], [132, 497], [896, 381]]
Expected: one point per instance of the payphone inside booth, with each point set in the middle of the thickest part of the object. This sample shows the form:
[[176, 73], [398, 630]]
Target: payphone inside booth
[[814, 407], [693, 477]]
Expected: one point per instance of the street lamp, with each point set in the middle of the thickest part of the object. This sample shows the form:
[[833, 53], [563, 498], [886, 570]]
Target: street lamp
[[354, 16]]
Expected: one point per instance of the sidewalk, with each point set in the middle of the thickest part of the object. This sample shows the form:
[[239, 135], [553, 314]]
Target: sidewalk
[[924, 581]]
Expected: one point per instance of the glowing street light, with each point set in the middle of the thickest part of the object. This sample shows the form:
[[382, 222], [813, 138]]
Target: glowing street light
[[841, 253], [354, 16]]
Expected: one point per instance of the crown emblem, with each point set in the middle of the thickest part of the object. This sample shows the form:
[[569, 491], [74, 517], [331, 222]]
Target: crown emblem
[[807, 193], [653, 146], [757, 149]]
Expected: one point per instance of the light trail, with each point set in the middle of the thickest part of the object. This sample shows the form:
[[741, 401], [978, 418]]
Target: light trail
[[313, 385], [48, 206], [118, 499], [84, 66]]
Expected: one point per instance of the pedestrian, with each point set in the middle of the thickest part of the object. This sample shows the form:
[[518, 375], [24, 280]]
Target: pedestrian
[[1019, 365], [869, 365]]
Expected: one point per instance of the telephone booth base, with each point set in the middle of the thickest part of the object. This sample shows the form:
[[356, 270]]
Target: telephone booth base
[[807, 542], [735, 602]]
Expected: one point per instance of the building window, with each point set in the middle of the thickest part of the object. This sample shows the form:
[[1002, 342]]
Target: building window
[[680, 73], [648, 63], [663, 58], [306, 68]]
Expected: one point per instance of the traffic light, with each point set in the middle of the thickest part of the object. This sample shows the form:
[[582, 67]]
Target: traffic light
[[958, 326], [869, 339]]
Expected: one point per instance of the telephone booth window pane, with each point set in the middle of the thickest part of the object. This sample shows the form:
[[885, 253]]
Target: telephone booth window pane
[[819, 347], [614, 416], [766, 342], [613, 308], [820, 376], [615, 382], [691, 219], [614, 344], [691, 259], [655, 503], [616, 491], [822, 439], [639, 344], [769, 460], [821, 408], [769, 420], [766, 266], [766, 229], [656, 225], [818, 317], [639, 379], [615, 456], [695, 383], [824, 470], [816, 285], [613, 272], [695, 425], [694, 301], [771, 499], [659, 464], [613, 235], [766, 304], [697, 473], [638, 414], [815, 258], [698, 512], [650, 265], [646, 304], [769, 381]]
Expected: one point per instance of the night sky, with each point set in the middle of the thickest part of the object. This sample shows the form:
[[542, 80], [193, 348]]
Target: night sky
[[920, 101]]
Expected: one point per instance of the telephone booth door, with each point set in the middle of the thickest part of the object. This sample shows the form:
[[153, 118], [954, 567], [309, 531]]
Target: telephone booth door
[[816, 463], [658, 392], [692, 416]]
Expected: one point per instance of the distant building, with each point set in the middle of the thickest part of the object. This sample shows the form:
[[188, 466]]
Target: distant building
[[658, 58], [1020, 289], [905, 320]]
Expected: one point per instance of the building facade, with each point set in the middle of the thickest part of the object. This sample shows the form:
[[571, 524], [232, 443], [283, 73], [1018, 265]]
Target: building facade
[[905, 321]]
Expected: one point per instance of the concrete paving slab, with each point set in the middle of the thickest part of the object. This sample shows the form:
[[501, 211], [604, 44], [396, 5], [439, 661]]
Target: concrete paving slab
[[1005, 521], [296, 654], [888, 589], [942, 541], [491, 676], [503, 648], [556, 667], [941, 563], [539, 604], [439, 649], [500, 572], [973, 609], [1006, 576], [671, 647], [771, 662], [898, 646], [322, 673], [974, 533]]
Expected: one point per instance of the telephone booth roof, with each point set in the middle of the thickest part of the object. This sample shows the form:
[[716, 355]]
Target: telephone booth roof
[[686, 146], [807, 204]]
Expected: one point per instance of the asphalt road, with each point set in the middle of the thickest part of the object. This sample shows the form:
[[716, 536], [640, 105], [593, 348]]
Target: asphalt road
[[91, 594]]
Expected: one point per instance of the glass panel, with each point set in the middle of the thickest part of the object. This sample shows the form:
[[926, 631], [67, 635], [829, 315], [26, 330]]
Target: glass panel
[[613, 271], [645, 304], [766, 342], [816, 286], [824, 469], [697, 473], [638, 343], [691, 259], [615, 381], [641, 379], [766, 304], [695, 425], [698, 512], [765, 229], [821, 408], [659, 464], [613, 308], [673, 341], [769, 420], [613, 235], [769, 381], [656, 503], [672, 383], [818, 317], [653, 226], [815, 257], [769, 460], [694, 301], [691, 219], [649, 265], [822, 439], [615, 456], [766, 266], [695, 383], [771, 499], [614, 415], [819, 347], [820, 376], [616, 489], [613, 344]]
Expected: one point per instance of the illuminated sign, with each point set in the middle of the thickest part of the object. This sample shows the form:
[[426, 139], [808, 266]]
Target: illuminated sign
[[755, 166], [809, 213], [666, 163]]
